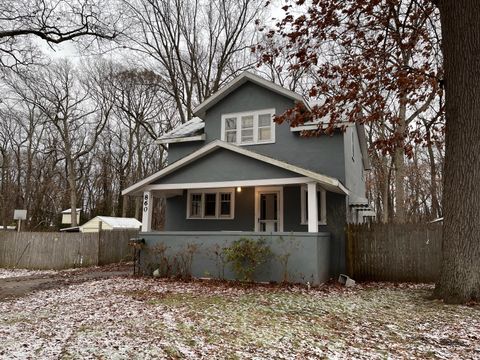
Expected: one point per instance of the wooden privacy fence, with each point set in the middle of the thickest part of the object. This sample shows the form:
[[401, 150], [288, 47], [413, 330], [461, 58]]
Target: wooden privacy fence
[[41, 250], [394, 252]]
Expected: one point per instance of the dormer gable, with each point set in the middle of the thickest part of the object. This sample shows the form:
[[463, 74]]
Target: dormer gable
[[243, 78]]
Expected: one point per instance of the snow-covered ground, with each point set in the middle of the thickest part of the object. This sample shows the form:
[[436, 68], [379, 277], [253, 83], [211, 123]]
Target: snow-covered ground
[[137, 318], [10, 273]]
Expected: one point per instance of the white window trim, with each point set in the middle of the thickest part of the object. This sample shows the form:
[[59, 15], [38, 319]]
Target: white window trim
[[323, 205], [255, 115], [217, 193]]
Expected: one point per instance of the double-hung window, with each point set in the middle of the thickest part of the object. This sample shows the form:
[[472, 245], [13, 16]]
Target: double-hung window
[[210, 204], [254, 127], [321, 206]]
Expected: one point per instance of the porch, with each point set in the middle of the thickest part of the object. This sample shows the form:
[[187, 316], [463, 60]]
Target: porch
[[227, 192], [268, 205]]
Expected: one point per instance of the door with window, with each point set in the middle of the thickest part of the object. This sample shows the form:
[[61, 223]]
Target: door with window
[[268, 214]]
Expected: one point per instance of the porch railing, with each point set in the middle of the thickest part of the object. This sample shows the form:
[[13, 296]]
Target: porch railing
[[269, 225]]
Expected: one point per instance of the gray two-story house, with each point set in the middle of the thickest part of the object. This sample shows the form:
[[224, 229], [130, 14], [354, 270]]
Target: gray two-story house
[[233, 172]]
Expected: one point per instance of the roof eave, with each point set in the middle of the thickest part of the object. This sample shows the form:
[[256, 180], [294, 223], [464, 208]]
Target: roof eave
[[200, 137]]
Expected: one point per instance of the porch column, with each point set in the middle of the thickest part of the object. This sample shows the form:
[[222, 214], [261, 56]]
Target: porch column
[[312, 207], [147, 206]]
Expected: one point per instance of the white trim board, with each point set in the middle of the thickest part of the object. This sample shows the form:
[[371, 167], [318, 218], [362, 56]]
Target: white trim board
[[181, 139], [327, 182], [236, 83], [227, 184]]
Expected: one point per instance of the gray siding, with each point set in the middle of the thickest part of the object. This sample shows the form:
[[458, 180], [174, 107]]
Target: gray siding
[[225, 165], [324, 155], [176, 151], [354, 179], [354, 173]]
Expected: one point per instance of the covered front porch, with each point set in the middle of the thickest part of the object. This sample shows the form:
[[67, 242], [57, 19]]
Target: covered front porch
[[227, 192], [297, 204]]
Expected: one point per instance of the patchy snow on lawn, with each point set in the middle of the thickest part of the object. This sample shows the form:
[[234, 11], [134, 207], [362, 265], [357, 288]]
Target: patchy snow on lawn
[[12, 273], [141, 318]]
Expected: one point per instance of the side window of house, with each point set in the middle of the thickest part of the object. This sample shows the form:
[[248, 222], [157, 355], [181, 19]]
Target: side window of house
[[210, 204], [255, 127], [321, 206]]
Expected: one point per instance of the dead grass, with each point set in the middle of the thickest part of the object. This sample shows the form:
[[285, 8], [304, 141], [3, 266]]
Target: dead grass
[[146, 318]]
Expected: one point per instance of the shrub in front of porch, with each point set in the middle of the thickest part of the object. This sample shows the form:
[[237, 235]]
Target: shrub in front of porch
[[246, 255], [179, 265]]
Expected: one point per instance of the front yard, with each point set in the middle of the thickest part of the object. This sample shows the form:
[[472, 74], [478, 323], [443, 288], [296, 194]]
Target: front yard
[[141, 318]]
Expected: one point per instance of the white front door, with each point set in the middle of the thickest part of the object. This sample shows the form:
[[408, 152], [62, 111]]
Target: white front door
[[269, 209]]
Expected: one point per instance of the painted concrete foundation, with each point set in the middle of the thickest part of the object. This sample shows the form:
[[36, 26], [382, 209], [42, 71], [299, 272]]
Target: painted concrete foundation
[[308, 254]]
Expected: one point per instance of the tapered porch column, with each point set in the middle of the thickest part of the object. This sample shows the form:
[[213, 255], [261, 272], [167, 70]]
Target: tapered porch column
[[312, 207], [147, 206]]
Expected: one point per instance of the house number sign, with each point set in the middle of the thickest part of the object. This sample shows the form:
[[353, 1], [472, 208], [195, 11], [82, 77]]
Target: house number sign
[[145, 202]]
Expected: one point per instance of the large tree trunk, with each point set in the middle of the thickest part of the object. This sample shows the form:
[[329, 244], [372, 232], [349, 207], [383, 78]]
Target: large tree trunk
[[460, 275]]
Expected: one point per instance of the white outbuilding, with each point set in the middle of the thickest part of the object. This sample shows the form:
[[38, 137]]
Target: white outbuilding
[[110, 223], [67, 216]]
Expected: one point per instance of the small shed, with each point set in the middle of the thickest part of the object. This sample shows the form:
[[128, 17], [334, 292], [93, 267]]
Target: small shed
[[67, 216], [110, 223]]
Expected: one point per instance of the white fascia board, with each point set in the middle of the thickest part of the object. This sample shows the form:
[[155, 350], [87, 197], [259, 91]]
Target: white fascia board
[[181, 139], [329, 183], [69, 211], [240, 80], [314, 125], [230, 184]]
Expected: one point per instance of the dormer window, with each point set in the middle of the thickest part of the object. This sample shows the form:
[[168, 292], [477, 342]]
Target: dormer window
[[249, 128]]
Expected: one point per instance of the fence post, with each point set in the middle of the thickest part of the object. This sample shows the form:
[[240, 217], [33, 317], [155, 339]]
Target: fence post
[[350, 250], [99, 251]]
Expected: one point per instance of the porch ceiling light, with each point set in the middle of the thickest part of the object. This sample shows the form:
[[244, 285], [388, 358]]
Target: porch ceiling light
[[239, 189]]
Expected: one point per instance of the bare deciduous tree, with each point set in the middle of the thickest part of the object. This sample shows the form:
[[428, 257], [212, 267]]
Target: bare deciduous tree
[[54, 21], [195, 46]]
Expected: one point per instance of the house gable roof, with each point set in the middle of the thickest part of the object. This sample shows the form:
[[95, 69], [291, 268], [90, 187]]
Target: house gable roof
[[327, 182], [244, 77], [116, 222], [69, 211]]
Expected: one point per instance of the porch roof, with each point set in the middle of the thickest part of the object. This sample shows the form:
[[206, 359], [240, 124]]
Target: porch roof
[[327, 182]]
